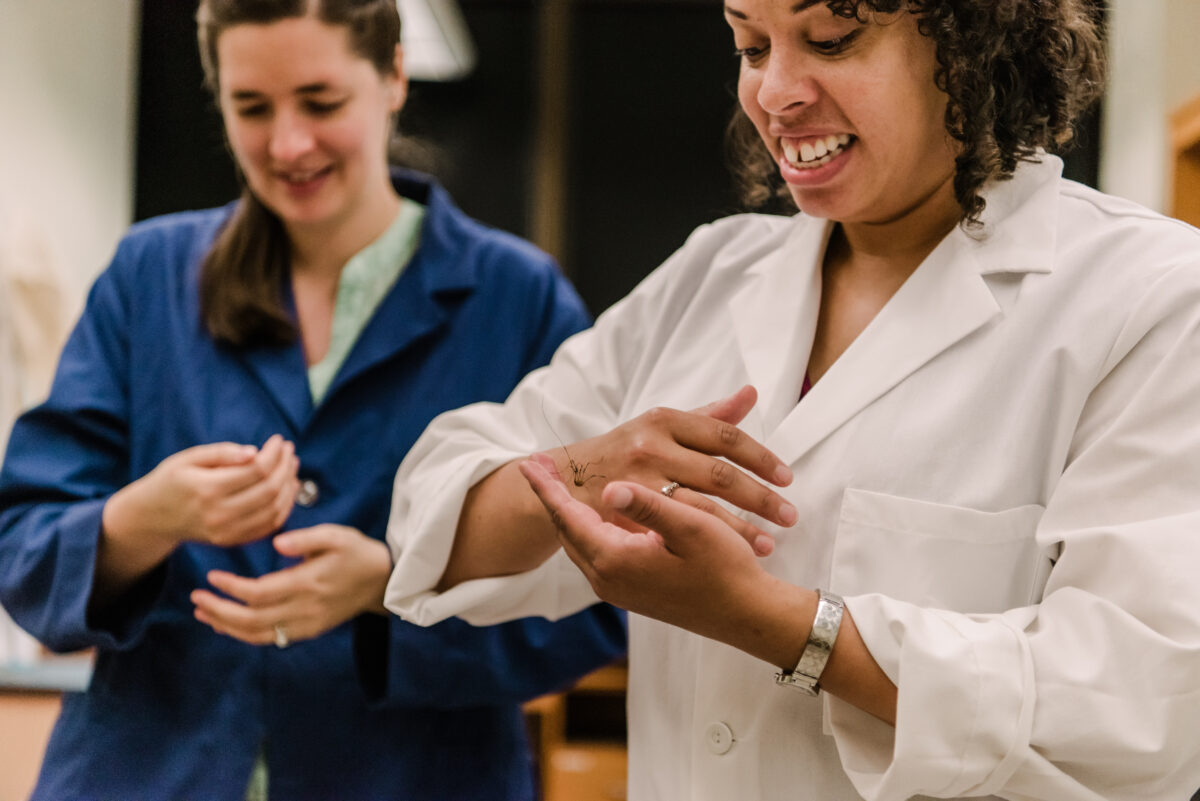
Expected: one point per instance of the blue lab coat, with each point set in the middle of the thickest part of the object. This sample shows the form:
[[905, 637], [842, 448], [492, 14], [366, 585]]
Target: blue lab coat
[[376, 709]]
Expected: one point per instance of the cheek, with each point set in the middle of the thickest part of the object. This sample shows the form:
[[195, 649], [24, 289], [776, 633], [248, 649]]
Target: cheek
[[748, 99]]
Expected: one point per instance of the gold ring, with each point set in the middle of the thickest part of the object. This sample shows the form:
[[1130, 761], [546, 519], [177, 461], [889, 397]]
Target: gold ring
[[669, 489], [281, 636]]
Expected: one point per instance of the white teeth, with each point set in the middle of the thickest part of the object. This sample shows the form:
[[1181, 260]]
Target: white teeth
[[817, 153], [299, 178]]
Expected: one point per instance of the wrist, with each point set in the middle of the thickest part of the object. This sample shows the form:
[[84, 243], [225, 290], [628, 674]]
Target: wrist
[[381, 563], [127, 519]]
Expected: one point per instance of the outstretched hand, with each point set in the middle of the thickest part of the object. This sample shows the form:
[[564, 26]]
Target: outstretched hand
[[343, 574]]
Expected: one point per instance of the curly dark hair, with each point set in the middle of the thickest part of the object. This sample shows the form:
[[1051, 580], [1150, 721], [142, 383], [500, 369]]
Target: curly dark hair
[[1018, 74]]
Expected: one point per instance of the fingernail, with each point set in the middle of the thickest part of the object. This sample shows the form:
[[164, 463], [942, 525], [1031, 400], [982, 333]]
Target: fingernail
[[788, 514], [620, 497], [783, 474], [763, 545]]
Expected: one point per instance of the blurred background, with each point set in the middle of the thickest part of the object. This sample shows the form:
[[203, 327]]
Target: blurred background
[[593, 127]]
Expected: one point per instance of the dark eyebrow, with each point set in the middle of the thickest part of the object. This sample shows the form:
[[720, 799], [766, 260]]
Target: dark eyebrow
[[803, 5], [307, 89]]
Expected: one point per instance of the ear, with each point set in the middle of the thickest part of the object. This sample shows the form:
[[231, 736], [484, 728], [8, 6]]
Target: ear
[[400, 82]]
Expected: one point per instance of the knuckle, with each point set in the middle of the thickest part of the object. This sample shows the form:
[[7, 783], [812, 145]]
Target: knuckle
[[766, 503], [658, 417], [728, 434], [723, 474], [643, 510]]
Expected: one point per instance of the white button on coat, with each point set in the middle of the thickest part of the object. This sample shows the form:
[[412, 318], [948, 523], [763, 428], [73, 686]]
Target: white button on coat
[[719, 738], [308, 493]]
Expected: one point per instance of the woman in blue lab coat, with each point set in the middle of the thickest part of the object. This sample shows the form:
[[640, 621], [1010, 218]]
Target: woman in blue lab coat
[[263, 368]]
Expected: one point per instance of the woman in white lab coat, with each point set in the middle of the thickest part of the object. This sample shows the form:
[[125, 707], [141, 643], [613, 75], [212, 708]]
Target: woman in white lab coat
[[957, 393]]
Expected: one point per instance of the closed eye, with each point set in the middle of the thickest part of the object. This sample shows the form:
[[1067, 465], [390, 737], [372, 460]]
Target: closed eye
[[750, 54], [323, 108], [833, 47]]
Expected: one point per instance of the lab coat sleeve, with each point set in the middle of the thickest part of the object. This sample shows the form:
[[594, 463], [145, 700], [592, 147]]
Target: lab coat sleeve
[[64, 459], [1094, 692], [584, 391]]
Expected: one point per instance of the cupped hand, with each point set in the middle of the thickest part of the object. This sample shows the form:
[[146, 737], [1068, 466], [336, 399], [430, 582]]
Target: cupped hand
[[222, 494], [343, 574], [686, 567], [701, 451]]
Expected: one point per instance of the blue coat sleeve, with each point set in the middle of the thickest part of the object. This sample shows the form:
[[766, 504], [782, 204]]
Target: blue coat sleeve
[[514, 661], [64, 459]]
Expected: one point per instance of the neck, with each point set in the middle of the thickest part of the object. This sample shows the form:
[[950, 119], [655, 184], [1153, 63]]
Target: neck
[[906, 239], [323, 250]]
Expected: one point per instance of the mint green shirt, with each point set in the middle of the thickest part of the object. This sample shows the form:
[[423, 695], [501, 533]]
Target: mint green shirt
[[362, 286], [364, 282]]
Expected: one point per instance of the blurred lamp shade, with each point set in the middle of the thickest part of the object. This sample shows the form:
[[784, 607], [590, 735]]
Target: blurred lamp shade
[[437, 44]]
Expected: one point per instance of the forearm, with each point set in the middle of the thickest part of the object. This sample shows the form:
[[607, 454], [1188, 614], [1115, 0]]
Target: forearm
[[503, 529]]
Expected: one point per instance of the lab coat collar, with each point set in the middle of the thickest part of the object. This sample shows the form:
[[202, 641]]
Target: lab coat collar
[[415, 307], [946, 299]]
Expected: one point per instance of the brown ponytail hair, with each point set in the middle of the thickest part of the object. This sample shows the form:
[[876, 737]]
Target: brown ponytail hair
[[243, 274]]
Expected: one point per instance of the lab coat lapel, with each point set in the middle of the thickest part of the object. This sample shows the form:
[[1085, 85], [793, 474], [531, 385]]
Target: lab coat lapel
[[774, 318], [943, 301]]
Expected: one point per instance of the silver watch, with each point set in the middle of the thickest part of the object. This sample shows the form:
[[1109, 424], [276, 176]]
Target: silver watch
[[807, 673]]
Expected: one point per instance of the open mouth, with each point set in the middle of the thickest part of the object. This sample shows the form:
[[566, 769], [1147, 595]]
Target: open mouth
[[813, 153]]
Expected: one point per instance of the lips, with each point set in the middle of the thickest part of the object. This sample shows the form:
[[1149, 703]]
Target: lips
[[298, 178]]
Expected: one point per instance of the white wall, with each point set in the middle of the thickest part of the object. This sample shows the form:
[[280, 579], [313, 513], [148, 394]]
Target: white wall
[[1154, 69], [67, 84]]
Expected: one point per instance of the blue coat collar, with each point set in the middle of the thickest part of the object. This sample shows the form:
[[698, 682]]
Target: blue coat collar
[[418, 305]]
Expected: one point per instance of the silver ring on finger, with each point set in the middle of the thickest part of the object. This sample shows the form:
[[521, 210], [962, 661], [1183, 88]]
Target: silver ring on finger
[[669, 489], [281, 636]]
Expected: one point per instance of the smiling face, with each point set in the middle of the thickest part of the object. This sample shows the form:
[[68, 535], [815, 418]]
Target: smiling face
[[308, 121], [848, 110]]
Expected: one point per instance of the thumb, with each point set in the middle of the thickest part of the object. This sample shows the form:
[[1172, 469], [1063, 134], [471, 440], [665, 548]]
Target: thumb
[[733, 408], [304, 541], [220, 454]]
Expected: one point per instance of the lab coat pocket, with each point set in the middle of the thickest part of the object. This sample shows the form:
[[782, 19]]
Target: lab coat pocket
[[938, 556]]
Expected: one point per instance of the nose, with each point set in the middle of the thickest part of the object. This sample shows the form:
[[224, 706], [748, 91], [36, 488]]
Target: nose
[[787, 83], [291, 137]]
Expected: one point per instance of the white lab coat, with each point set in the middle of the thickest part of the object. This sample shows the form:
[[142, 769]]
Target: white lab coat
[[1001, 475]]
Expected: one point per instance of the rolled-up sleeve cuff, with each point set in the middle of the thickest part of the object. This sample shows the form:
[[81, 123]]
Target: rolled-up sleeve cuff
[[965, 705], [421, 536]]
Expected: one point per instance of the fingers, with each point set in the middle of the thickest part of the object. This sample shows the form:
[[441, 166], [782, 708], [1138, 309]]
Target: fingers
[[265, 591], [276, 453], [220, 454], [732, 409], [762, 542], [248, 624], [307, 541], [570, 516], [684, 529], [264, 505]]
